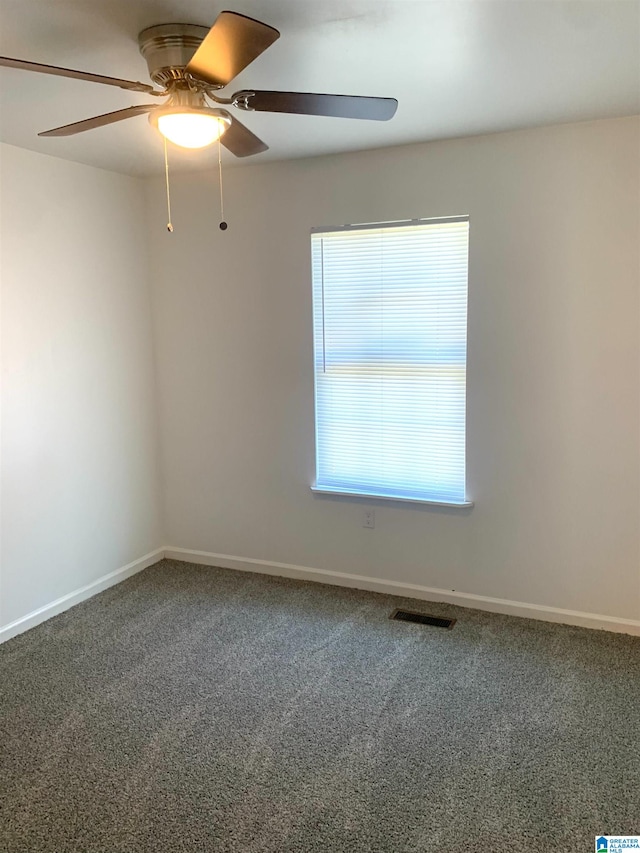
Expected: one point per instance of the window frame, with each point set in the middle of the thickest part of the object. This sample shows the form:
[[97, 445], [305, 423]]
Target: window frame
[[364, 493]]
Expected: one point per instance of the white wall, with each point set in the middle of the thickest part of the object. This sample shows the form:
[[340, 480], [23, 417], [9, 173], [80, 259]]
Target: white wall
[[79, 452], [554, 358]]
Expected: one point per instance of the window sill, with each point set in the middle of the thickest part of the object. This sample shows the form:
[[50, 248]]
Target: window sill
[[368, 496]]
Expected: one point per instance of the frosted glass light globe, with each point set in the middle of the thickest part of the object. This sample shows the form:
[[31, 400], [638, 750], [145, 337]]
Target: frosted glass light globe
[[191, 129]]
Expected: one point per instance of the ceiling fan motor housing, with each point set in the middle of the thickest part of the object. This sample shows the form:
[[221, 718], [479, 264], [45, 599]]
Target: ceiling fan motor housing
[[168, 48]]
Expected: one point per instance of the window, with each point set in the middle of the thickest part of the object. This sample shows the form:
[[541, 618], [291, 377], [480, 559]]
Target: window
[[390, 344]]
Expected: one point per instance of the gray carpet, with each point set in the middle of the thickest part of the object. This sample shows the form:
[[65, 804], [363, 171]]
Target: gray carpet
[[196, 709]]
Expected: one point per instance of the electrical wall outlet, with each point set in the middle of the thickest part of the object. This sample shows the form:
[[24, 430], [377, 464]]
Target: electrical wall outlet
[[369, 518]]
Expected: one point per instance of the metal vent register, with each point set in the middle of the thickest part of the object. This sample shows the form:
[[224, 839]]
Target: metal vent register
[[422, 619]]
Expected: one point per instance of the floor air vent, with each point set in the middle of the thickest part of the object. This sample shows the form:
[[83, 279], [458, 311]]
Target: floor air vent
[[422, 619]]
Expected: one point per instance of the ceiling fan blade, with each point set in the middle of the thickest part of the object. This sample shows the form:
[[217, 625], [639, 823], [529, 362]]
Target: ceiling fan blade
[[230, 45], [241, 141], [99, 121], [306, 103], [24, 65]]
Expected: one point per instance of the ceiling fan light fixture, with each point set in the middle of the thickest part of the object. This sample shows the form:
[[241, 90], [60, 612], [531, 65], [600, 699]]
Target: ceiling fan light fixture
[[190, 128], [190, 63]]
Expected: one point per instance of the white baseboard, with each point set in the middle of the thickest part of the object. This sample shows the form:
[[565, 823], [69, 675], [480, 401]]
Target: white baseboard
[[60, 604], [409, 590], [268, 567]]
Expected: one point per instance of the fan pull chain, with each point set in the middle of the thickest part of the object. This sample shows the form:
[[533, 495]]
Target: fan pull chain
[[223, 224], [166, 175]]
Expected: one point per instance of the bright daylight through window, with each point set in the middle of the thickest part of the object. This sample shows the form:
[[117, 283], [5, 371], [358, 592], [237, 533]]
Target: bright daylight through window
[[390, 343]]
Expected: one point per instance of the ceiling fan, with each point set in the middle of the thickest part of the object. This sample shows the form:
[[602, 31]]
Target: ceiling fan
[[191, 63]]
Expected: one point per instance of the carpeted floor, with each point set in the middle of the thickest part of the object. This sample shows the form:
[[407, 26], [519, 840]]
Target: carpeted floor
[[197, 709]]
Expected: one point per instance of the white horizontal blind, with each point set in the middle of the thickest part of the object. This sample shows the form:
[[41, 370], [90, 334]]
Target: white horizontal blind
[[390, 334]]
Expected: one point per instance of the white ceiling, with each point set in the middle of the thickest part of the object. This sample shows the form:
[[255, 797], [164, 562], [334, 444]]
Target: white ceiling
[[457, 67]]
